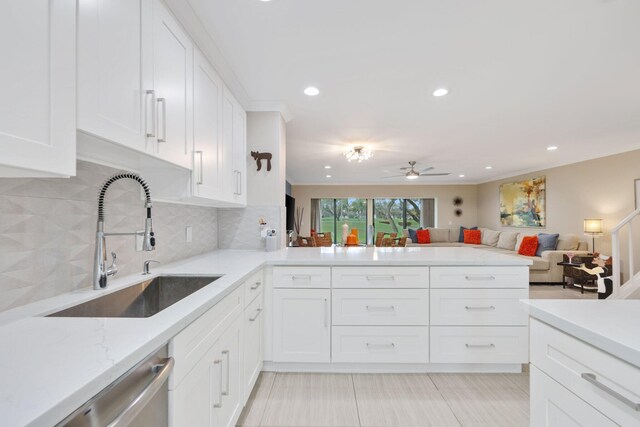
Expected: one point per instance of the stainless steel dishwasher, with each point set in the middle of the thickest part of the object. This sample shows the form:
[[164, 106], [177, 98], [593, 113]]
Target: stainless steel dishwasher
[[139, 398]]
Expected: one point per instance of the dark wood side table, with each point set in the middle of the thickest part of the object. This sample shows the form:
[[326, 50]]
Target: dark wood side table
[[580, 277]]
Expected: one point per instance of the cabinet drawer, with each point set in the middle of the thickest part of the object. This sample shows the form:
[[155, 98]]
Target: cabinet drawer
[[302, 277], [576, 365], [552, 405], [478, 344], [478, 307], [380, 307], [193, 341], [253, 287], [375, 344], [480, 277], [380, 277]]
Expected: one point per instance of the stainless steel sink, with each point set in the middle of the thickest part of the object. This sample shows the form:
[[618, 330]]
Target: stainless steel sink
[[143, 299]]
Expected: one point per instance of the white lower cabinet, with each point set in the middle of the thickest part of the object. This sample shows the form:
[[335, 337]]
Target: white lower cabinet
[[380, 344], [476, 344], [253, 345], [301, 325], [553, 405]]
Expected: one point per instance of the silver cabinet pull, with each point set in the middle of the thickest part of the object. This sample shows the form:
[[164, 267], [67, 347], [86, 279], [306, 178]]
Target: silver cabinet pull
[[162, 371], [374, 278], [480, 277], [200, 170], [326, 313], [488, 307], [373, 346], [151, 134], [225, 392], [219, 404], [253, 319], [238, 184], [591, 378], [163, 102], [256, 286], [301, 277], [480, 345], [381, 308]]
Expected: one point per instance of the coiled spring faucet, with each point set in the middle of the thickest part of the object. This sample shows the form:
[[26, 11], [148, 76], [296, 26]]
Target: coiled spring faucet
[[100, 269]]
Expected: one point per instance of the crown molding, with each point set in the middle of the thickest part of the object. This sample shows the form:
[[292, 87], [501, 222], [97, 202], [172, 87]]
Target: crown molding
[[272, 106]]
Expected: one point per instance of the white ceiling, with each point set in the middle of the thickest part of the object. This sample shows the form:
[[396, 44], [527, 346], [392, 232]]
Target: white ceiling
[[522, 75]]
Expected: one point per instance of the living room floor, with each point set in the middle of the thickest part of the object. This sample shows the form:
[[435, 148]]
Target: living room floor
[[557, 292]]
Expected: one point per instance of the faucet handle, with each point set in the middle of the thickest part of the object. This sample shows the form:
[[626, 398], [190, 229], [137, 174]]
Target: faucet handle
[[145, 268], [113, 268]]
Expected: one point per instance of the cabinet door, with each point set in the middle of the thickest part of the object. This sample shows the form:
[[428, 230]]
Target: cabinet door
[[301, 325], [230, 345], [115, 98], [552, 405], [207, 114], [240, 153], [172, 80], [228, 176], [197, 399], [38, 88], [253, 347]]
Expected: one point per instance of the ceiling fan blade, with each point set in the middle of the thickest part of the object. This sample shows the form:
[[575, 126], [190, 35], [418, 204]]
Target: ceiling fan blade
[[427, 169], [393, 176], [435, 174]]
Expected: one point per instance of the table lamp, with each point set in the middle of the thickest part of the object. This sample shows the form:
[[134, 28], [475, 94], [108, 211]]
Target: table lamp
[[593, 228]]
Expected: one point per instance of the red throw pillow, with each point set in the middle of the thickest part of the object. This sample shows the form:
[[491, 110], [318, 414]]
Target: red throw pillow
[[423, 236], [472, 237], [529, 246]]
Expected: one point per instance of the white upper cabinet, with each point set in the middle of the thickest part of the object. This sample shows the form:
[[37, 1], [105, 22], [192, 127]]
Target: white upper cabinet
[[115, 81], [37, 88], [172, 82], [234, 148], [207, 129]]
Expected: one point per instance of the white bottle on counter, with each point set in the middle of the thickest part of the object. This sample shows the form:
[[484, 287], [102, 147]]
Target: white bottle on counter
[[345, 233]]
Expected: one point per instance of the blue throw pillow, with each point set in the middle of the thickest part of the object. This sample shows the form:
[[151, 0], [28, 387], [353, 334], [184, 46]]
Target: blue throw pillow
[[413, 235], [547, 242], [461, 236]]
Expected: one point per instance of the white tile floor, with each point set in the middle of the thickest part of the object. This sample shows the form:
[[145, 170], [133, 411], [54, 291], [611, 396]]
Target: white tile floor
[[395, 400]]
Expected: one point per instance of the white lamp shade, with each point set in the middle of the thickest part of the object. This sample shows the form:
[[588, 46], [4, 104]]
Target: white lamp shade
[[593, 226]]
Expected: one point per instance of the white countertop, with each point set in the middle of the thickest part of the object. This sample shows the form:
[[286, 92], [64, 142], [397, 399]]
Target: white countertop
[[611, 325], [50, 366]]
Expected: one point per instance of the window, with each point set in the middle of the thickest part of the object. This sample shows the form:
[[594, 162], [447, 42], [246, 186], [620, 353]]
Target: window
[[394, 215], [335, 212]]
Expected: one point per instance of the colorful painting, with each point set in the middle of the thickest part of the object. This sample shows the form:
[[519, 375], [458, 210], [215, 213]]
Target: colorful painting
[[523, 204]]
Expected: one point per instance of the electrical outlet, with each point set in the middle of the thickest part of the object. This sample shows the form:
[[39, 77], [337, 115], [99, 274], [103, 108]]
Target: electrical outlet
[[188, 234]]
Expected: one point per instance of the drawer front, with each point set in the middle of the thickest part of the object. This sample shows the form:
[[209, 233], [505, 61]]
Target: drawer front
[[302, 277], [404, 307], [552, 405], [600, 379], [188, 347], [375, 344], [253, 287], [380, 277], [478, 344], [478, 307], [480, 277]]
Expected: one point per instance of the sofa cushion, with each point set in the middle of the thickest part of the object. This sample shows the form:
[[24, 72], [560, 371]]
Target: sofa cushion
[[461, 235], [528, 246], [439, 234], [489, 237], [567, 242], [507, 240], [539, 264], [546, 242], [473, 237], [423, 236], [412, 234]]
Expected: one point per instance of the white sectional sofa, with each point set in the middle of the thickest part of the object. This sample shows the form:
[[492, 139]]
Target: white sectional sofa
[[544, 268]]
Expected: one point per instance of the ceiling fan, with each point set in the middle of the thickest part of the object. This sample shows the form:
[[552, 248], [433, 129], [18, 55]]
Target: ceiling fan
[[412, 173]]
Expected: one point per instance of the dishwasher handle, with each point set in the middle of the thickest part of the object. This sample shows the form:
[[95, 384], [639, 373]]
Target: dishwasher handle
[[162, 371]]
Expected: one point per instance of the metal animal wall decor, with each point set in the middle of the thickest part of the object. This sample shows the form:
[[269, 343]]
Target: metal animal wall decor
[[259, 157]]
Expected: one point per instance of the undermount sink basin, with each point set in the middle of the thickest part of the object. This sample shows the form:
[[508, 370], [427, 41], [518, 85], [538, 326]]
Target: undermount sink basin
[[143, 299]]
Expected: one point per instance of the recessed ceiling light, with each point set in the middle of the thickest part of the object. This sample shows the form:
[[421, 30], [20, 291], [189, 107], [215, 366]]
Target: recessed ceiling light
[[311, 91], [552, 148], [488, 167], [328, 176], [461, 176], [440, 92], [327, 167]]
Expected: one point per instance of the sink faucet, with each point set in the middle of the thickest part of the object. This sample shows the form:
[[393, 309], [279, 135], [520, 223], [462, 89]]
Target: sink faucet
[[145, 267], [100, 269]]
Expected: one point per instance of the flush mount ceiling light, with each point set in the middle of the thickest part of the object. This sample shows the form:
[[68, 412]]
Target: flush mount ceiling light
[[552, 148], [312, 91], [358, 153], [488, 167], [328, 176], [461, 176], [327, 167], [440, 92]]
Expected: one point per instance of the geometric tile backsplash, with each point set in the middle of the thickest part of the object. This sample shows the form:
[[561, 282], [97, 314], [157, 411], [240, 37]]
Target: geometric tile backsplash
[[47, 232]]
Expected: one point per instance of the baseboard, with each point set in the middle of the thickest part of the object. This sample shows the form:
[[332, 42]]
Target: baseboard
[[379, 368]]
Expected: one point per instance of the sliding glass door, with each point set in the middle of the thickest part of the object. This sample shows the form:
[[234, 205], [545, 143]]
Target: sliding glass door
[[351, 211], [394, 215]]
